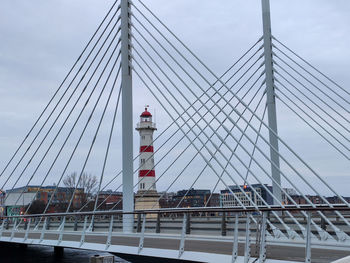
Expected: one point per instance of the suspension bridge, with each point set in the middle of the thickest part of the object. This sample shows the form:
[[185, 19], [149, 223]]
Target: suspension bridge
[[223, 130]]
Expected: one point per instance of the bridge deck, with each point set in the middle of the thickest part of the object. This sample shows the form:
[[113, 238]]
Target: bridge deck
[[168, 243]]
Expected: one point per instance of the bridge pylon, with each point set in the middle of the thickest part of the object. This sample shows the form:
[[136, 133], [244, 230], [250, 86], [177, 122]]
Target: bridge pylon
[[127, 119], [271, 101]]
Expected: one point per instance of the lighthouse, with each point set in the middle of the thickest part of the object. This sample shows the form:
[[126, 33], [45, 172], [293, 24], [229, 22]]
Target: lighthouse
[[147, 196]]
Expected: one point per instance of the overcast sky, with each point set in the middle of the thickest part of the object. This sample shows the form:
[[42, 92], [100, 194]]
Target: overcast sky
[[40, 40]]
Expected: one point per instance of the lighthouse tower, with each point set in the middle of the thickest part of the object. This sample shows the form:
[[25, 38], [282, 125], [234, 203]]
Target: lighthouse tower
[[147, 196]]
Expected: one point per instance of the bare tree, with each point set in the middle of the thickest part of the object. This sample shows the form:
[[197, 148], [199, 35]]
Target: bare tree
[[88, 182]]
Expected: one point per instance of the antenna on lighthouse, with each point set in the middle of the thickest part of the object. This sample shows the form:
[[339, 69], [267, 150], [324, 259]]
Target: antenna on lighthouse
[[155, 115]]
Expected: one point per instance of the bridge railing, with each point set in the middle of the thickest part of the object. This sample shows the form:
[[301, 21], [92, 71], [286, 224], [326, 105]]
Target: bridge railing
[[255, 228]]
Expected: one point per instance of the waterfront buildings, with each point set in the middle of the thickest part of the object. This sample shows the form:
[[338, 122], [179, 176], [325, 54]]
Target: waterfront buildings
[[110, 200], [191, 198], [254, 194], [18, 199]]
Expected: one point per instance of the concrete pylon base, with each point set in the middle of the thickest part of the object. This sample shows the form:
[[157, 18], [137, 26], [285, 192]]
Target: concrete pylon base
[[147, 201]]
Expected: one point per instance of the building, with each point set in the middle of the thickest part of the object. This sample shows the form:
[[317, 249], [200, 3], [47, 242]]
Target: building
[[248, 198], [147, 196], [191, 198], [337, 200], [18, 199], [194, 198], [61, 195], [288, 191], [110, 200], [299, 199], [315, 199], [213, 200], [24, 189], [2, 199], [167, 199]]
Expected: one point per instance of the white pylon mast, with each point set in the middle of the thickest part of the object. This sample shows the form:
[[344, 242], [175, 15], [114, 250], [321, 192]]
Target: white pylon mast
[[270, 101], [127, 120]]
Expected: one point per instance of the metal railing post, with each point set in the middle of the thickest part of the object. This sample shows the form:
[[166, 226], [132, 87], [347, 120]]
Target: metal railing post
[[82, 239], [48, 223], [188, 224], [308, 239], [262, 251], [247, 240], [110, 231], [27, 229], [43, 230], [142, 237], [158, 224], [25, 224], [183, 236], [323, 224], [13, 229], [37, 223], [223, 224], [92, 224], [235, 240], [2, 227], [61, 226], [138, 228], [61, 230], [75, 227]]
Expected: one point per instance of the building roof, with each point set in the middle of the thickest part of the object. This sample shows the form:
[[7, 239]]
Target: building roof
[[34, 188], [193, 191], [110, 192], [22, 189], [236, 188]]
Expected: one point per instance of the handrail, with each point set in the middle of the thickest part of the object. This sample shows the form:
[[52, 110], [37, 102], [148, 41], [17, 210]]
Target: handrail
[[290, 208]]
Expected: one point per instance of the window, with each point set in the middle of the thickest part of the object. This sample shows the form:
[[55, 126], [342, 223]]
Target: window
[[143, 137], [143, 161]]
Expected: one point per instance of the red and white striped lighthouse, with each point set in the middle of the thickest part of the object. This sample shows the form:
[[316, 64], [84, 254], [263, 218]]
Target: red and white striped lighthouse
[[147, 176]]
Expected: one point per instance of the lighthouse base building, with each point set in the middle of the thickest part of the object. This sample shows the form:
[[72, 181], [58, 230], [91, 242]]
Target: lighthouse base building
[[147, 197], [147, 201]]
